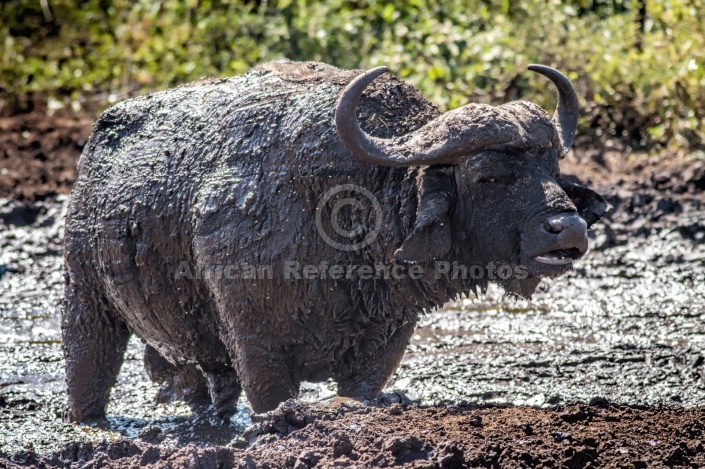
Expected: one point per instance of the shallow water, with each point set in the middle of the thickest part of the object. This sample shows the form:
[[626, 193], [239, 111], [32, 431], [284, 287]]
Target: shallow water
[[628, 324]]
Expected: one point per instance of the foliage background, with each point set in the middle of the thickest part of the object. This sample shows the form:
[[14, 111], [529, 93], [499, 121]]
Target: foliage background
[[638, 65]]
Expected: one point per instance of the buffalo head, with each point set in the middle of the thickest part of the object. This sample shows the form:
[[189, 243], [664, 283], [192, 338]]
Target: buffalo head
[[491, 190]]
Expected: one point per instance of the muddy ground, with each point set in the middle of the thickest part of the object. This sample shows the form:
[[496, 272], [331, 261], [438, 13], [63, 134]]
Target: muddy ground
[[602, 367]]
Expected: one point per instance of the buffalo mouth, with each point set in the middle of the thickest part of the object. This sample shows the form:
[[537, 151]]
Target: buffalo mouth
[[558, 257], [551, 263]]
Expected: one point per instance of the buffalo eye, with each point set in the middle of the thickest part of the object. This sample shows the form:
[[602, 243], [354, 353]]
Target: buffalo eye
[[490, 171], [505, 179]]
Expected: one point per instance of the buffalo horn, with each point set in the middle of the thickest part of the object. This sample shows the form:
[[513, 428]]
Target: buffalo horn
[[567, 111]]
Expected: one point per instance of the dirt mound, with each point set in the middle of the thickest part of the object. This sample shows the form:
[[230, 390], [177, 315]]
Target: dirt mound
[[300, 436], [39, 152], [462, 436]]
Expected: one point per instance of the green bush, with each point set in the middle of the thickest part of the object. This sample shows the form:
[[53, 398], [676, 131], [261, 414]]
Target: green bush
[[639, 66]]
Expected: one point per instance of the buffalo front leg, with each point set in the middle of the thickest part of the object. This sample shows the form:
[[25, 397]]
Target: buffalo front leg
[[94, 343], [265, 373], [371, 375]]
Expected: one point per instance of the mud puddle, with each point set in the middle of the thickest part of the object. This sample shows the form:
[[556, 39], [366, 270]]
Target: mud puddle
[[627, 327]]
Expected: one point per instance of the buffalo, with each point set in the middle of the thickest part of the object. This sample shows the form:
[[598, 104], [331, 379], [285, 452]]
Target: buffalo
[[294, 222]]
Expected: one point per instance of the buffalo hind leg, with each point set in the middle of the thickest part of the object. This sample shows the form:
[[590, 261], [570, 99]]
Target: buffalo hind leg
[[94, 343], [197, 385], [224, 388], [178, 382], [372, 375]]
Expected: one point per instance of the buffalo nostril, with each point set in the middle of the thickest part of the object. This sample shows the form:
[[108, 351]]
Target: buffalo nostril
[[565, 239], [555, 224], [570, 230]]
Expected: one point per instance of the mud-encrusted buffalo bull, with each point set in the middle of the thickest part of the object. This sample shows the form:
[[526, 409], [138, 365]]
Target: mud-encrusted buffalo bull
[[181, 194]]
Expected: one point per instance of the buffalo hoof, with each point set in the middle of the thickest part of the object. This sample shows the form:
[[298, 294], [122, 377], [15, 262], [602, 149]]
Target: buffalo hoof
[[393, 397], [92, 419]]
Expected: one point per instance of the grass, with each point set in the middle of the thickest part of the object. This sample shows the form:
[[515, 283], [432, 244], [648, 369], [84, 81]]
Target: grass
[[638, 65]]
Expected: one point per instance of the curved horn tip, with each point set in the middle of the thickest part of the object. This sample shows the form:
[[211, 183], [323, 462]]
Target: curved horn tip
[[546, 70], [372, 73], [359, 83], [378, 70], [567, 111]]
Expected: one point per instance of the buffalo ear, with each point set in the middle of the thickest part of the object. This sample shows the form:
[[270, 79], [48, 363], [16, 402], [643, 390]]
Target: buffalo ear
[[431, 237], [425, 244], [591, 205]]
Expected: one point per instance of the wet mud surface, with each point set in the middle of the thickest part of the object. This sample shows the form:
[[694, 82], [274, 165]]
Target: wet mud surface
[[603, 366]]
